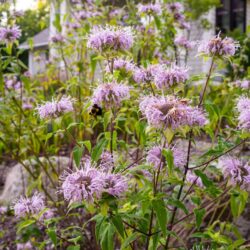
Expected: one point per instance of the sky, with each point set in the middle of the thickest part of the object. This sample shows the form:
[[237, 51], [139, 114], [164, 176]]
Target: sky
[[25, 4]]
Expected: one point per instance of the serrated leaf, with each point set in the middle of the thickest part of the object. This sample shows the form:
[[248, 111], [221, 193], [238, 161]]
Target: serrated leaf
[[179, 204], [205, 180], [107, 235], [77, 154], [117, 222], [170, 160], [238, 202], [97, 150], [87, 144], [129, 240], [161, 214], [199, 214], [52, 234], [77, 247], [24, 224]]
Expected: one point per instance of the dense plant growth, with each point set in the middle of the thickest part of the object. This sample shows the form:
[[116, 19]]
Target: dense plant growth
[[120, 103]]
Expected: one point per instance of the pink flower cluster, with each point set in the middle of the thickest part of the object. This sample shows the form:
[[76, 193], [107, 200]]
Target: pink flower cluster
[[175, 7], [163, 112], [191, 178], [154, 9], [3, 210], [218, 46], [54, 109], [155, 154], [143, 75], [107, 162], [235, 170], [122, 65], [29, 206], [24, 246], [10, 34], [110, 94], [12, 82], [89, 183], [57, 38], [244, 84], [108, 38], [177, 10], [85, 14], [167, 77], [48, 214], [243, 107], [182, 41]]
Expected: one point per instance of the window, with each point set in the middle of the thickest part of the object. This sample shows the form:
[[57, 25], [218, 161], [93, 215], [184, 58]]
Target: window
[[231, 15]]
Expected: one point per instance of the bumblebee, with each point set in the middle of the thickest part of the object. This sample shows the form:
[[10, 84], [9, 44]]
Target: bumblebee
[[96, 110]]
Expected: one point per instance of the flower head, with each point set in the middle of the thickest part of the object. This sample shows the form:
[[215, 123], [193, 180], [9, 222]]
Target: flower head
[[107, 162], [108, 38], [244, 84], [9, 34], [48, 214], [243, 107], [85, 14], [175, 7], [167, 77], [162, 112], [115, 184], [191, 178], [185, 25], [58, 38], [183, 42], [54, 108], [122, 65], [110, 94], [143, 75], [83, 184], [12, 82], [24, 246], [235, 170], [155, 156], [219, 46], [3, 210], [154, 9], [29, 206]]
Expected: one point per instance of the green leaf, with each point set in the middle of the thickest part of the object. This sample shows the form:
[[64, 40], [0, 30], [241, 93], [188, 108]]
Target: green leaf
[[52, 234], [99, 221], [24, 224], [179, 204], [117, 221], [93, 62], [205, 180], [77, 247], [106, 119], [236, 244], [73, 124], [114, 140], [129, 240], [161, 214], [199, 214], [238, 202], [97, 150], [87, 144], [157, 22], [170, 159], [77, 154], [76, 239], [107, 241]]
